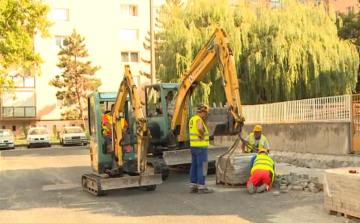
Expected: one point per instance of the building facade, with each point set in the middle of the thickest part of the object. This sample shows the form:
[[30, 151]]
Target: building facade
[[114, 32]]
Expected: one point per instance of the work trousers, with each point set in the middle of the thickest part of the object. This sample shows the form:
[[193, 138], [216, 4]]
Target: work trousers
[[199, 165], [260, 177]]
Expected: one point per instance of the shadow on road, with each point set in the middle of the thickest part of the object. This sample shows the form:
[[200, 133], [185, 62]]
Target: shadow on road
[[41, 152]]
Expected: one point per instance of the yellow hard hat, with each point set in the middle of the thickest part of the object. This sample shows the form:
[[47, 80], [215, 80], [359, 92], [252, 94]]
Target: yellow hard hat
[[262, 151], [203, 107], [257, 128]]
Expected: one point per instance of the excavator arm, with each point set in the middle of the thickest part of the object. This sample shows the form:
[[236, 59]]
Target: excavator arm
[[216, 50], [142, 133]]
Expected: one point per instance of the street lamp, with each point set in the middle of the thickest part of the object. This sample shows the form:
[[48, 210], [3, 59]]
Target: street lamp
[[152, 45]]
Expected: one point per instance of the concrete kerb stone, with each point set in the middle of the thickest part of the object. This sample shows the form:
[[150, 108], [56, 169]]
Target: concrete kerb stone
[[297, 182]]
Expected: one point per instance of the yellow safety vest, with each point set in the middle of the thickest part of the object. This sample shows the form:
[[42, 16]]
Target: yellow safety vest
[[106, 129], [194, 133], [264, 162], [251, 142]]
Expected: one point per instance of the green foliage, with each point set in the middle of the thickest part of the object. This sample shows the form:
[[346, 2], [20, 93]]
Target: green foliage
[[281, 54], [76, 80], [349, 29], [20, 20]]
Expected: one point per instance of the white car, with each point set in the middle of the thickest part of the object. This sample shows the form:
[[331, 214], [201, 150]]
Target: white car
[[38, 136], [73, 135]]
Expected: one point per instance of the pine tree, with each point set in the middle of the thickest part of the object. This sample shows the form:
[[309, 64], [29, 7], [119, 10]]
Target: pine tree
[[76, 80]]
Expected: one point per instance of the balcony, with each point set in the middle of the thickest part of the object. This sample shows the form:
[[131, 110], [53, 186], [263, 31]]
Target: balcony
[[11, 112]]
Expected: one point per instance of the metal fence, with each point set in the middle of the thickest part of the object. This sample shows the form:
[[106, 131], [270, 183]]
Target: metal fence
[[336, 108]]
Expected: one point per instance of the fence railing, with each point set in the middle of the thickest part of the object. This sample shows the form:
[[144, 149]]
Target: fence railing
[[336, 108]]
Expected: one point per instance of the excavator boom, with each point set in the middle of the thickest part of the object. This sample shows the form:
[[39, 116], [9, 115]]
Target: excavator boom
[[142, 133], [216, 50]]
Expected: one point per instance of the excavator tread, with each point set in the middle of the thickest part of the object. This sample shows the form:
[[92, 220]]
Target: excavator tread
[[160, 166], [91, 183]]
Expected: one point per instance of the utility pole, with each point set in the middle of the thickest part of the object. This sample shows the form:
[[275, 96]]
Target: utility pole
[[152, 45]]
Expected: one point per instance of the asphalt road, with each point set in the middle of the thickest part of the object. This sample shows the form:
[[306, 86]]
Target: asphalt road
[[43, 185]]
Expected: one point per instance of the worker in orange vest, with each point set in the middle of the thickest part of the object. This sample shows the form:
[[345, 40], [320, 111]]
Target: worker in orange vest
[[107, 133]]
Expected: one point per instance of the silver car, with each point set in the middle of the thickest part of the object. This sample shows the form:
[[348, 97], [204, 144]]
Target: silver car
[[7, 139], [73, 135]]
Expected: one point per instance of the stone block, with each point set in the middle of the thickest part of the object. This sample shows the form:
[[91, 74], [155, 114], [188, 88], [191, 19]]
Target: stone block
[[314, 189], [297, 188], [305, 176], [307, 189], [276, 193], [295, 182], [290, 187], [314, 179]]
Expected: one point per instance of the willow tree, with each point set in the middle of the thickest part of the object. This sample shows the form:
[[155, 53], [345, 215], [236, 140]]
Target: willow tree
[[281, 54]]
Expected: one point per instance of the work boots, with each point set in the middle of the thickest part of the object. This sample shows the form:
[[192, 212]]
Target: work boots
[[193, 188], [200, 189]]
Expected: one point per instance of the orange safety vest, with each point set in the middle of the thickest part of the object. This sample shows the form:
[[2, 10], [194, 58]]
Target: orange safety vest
[[107, 131]]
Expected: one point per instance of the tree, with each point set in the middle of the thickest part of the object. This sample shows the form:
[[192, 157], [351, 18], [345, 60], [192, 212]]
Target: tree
[[349, 29], [20, 21], [281, 54], [76, 80]]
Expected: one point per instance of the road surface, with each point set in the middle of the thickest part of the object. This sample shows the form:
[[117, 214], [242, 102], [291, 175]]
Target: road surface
[[43, 185]]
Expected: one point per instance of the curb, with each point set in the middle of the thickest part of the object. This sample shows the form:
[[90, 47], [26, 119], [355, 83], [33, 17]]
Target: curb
[[52, 143]]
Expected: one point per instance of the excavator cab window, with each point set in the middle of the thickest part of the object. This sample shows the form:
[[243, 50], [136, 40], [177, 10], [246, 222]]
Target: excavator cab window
[[154, 106]]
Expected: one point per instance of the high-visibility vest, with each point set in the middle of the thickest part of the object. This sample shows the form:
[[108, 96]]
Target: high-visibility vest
[[264, 162], [194, 133], [251, 142], [106, 130]]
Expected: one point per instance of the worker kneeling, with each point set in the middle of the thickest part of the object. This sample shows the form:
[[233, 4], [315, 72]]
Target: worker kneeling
[[262, 172]]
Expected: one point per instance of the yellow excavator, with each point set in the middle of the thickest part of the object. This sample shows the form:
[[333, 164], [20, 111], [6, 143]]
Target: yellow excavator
[[169, 129], [163, 134], [119, 160]]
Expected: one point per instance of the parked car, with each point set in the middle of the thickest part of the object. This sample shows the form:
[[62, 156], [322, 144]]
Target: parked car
[[7, 139], [73, 135], [38, 136]]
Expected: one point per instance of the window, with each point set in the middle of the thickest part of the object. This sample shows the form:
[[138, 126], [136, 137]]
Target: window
[[129, 10], [61, 41], [24, 81], [22, 98], [350, 9], [129, 34], [3, 127], [61, 14], [14, 128], [130, 57], [92, 118]]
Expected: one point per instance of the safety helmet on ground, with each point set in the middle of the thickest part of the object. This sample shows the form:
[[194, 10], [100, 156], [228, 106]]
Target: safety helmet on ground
[[203, 107], [257, 128], [262, 150]]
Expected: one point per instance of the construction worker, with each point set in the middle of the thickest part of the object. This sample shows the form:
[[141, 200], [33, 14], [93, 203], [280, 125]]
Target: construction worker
[[106, 123], [199, 142], [256, 141], [262, 172]]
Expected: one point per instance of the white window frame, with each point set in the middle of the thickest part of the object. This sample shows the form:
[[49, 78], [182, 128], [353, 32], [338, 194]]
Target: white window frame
[[61, 19], [129, 54], [350, 9], [122, 37], [128, 6], [62, 41]]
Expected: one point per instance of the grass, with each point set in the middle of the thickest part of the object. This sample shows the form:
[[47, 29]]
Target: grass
[[20, 141]]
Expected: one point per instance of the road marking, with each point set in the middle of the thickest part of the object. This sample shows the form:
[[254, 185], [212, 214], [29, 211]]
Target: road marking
[[60, 187]]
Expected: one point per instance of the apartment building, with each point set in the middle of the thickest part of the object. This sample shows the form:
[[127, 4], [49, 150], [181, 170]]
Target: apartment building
[[114, 32]]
